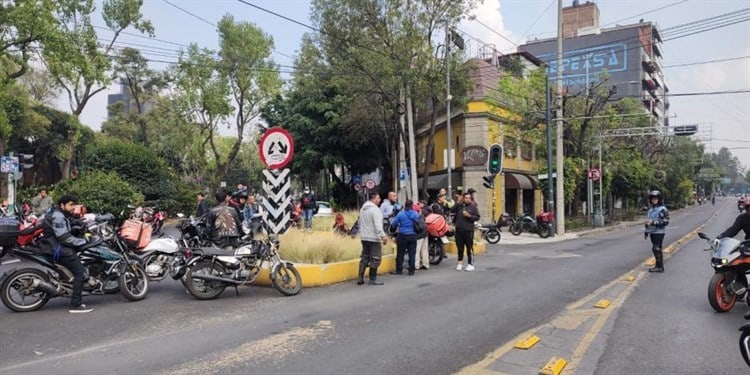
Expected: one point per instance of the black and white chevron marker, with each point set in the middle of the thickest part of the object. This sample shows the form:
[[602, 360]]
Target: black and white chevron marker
[[276, 215]]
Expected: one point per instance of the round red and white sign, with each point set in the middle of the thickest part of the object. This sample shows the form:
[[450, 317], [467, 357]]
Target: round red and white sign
[[357, 187], [370, 184], [595, 174], [276, 148]]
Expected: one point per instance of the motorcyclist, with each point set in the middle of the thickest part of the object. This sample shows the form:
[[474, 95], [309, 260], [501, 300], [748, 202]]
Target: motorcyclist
[[224, 222], [658, 219], [742, 222], [62, 245]]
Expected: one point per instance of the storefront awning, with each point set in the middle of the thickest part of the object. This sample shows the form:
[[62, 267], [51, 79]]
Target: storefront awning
[[440, 181], [518, 181]]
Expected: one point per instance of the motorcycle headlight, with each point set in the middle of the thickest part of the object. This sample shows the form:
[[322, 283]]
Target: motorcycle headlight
[[724, 260]]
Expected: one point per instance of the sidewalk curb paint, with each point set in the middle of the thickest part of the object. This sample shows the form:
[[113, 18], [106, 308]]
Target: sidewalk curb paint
[[528, 343]]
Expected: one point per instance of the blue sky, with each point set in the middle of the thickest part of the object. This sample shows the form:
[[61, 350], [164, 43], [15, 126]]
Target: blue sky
[[724, 119]]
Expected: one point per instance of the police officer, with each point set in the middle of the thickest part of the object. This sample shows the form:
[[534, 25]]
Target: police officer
[[741, 223], [657, 220], [62, 245]]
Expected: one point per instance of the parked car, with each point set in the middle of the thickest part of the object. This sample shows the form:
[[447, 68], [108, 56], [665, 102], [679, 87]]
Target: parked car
[[324, 209]]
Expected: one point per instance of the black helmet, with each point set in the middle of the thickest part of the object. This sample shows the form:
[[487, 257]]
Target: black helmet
[[654, 194]]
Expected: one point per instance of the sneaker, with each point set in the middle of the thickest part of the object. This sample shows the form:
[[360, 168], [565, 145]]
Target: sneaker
[[470, 267], [80, 309], [460, 267]]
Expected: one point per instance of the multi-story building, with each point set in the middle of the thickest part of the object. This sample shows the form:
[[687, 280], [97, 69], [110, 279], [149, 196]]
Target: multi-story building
[[485, 120], [630, 55], [123, 96]]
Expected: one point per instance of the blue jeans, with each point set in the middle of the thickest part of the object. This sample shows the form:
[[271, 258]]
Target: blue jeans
[[308, 215], [406, 243]]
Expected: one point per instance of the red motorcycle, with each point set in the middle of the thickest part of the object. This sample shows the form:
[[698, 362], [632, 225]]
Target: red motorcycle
[[152, 216]]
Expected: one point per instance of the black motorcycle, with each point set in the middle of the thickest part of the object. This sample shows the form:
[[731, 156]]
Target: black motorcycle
[[745, 339], [541, 225], [29, 288], [211, 270]]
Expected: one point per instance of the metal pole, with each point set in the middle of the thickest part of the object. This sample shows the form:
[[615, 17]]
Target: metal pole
[[547, 119], [601, 177], [448, 98], [560, 157]]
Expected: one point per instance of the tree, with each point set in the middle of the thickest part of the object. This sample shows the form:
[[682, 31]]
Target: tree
[[41, 85], [78, 59], [23, 23], [99, 191]]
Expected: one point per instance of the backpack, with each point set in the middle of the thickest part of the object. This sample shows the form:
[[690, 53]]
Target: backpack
[[436, 225]]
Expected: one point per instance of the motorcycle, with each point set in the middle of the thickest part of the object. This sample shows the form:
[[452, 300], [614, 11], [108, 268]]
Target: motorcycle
[[30, 288], [542, 225], [730, 259], [745, 339], [490, 232], [211, 270], [152, 216]]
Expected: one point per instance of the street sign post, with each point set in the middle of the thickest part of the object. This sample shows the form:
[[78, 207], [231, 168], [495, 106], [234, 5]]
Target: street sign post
[[276, 148], [595, 174]]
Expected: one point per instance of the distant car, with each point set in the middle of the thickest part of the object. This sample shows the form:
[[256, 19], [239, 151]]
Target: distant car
[[324, 209]]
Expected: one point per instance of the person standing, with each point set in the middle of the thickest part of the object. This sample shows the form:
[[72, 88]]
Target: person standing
[[388, 206], [407, 238], [308, 207], [657, 220], [41, 203], [371, 234], [202, 208], [422, 257], [465, 213]]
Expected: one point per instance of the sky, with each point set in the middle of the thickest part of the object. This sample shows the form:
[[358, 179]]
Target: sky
[[724, 120]]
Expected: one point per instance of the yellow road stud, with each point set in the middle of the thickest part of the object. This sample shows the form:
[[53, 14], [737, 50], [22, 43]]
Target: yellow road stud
[[651, 262], [630, 278], [528, 343], [553, 367], [602, 304]]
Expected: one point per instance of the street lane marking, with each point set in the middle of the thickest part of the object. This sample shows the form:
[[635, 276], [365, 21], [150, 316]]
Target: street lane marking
[[528, 343]]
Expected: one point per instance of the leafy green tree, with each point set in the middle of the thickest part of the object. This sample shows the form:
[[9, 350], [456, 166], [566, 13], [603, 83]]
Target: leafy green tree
[[80, 62], [137, 164], [99, 191], [23, 24]]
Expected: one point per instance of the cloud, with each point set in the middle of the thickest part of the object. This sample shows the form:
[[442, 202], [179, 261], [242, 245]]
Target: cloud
[[487, 16]]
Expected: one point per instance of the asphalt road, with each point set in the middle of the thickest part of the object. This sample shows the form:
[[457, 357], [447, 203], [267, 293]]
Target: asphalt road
[[436, 322]]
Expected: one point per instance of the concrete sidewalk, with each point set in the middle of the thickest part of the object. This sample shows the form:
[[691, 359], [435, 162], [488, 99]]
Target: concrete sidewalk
[[531, 238]]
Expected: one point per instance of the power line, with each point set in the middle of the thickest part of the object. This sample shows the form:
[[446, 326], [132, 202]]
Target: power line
[[536, 20], [190, 13], [707, 62], [646, 12]]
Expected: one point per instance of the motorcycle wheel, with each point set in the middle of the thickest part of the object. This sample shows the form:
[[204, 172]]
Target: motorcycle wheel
[[492, 236], [544, 232], [745, 346], [19, 283], [133, 283], [720, 299], [435, 250], [205, 289], [286, 280], [111, 286], [515, 229]]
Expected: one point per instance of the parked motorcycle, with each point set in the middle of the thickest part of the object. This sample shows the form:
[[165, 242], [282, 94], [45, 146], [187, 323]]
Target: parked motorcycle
[[730, 259], [210, 270], [29, 288], [542, 225], [745, 339], [152, 216]]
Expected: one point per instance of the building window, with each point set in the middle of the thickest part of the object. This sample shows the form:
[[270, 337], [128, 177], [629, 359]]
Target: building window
[[526, 150], [509, 147]]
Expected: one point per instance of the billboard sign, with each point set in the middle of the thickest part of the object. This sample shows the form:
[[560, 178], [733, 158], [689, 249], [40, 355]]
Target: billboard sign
[[584, 64]]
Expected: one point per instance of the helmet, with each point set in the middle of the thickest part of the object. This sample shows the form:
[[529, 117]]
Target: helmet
[[654, 194]]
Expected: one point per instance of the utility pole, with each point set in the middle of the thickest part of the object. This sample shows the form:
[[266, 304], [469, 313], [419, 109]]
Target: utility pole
[[448, 97], [414, 191], [560, 157], [548, 122]]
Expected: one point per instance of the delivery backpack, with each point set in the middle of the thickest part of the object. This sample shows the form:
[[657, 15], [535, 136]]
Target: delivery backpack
[[436, 225]]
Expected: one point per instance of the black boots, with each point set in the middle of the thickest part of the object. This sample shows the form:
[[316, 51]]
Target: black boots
[[659, 267], [374, 277], [361, 278]]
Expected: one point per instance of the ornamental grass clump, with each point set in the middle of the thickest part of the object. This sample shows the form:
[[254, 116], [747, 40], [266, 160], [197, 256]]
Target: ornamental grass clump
[[317, 247]]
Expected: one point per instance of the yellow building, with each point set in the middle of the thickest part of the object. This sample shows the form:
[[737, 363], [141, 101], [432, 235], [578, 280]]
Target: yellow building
[[474, 129]]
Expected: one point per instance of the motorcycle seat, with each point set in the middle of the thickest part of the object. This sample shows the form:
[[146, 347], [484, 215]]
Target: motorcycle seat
[[211, 251]]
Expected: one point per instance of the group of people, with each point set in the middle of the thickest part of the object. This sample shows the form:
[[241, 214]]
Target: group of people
[[412, 240], [226, 219]]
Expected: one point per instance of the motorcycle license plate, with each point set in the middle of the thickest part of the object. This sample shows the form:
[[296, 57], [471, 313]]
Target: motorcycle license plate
[[444, 239]]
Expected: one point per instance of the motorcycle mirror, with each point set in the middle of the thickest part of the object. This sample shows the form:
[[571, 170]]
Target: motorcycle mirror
[[703, 235]]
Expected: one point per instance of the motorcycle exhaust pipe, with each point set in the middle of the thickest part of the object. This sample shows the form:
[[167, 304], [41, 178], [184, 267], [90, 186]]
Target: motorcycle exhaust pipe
[[217, 278], [40, 286]]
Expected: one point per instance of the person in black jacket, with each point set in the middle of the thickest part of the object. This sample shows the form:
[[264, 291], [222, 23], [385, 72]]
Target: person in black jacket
[[202, 208], [741, 223], [466, 213], [63, 246]]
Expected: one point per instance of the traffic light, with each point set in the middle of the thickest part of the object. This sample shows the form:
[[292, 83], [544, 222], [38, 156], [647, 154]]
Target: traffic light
[[26, 157], [489, 181], [495, 160]]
